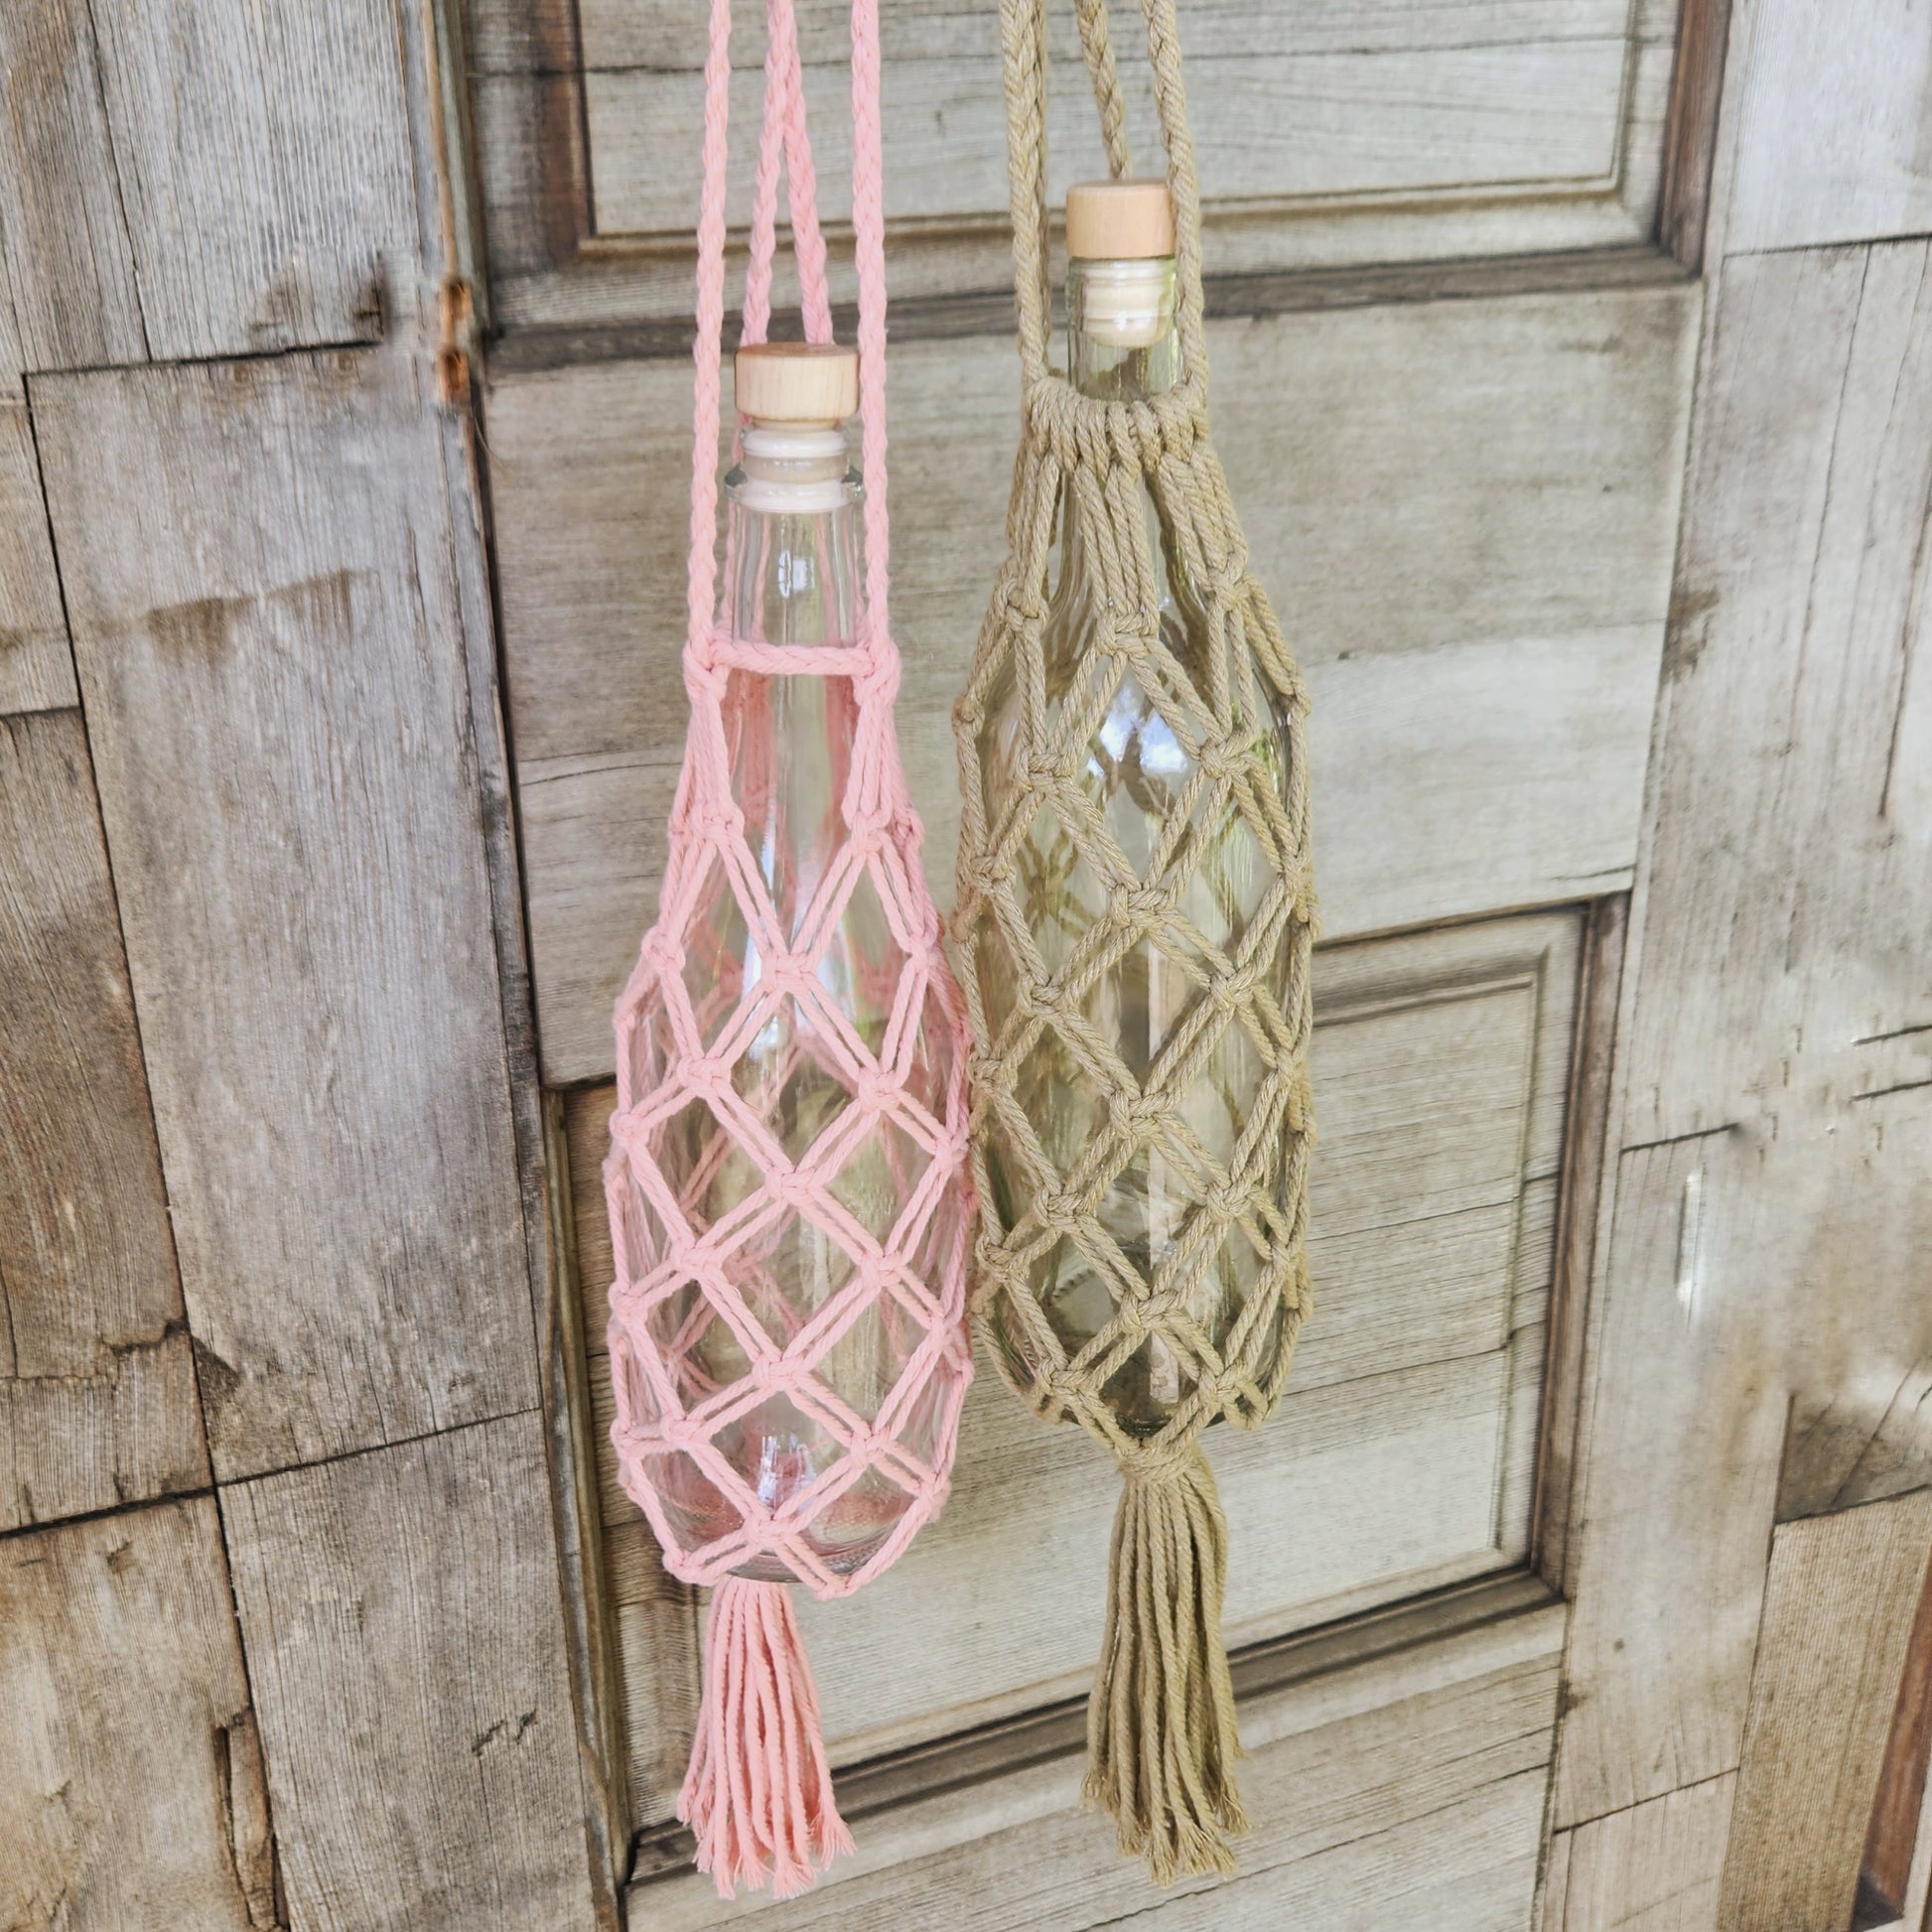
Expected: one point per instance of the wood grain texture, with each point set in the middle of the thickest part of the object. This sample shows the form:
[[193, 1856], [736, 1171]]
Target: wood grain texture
[[70, 260], [1770, 1220], [1482, 707], [1691, 131], [130, 1778], [1892, 1846], [1834, 111], [1838, 1607], [406, 1650], [1652, 1868], [1414, 1777], [259, 572], [182, 183], [1343, 134], [98, 1403], [1402, 1455], [36, 666]]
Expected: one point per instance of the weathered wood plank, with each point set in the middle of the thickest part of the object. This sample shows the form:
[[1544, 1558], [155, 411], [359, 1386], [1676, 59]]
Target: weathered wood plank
[[130, 1777], [406, 1651], [182, 187], [1402, 1454], [97, 1402], [1483, 710], [1347, 1758], [1652, 1868], [1898, 1846], [1288, 124], [36, 666], [265, 618], [68, 259], [1832, 110], [1771, 1218], [1838, 1606]]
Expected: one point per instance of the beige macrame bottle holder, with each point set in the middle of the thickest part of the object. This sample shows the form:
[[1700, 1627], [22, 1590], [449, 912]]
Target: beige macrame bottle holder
[[1161, 1721]]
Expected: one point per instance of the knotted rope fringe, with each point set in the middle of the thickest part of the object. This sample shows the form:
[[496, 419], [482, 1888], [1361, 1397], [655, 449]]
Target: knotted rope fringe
[[1160, 1728], [758, 1793], [1161, 1737]]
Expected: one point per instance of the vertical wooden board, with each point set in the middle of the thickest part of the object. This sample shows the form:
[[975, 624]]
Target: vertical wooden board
[[1834, 112], [1652, 1868], [405, 1645], [259, 575], [97, 1402], [1838, 1605], [1683, 1423], [63, 227], [36, 666], [130, 1784], [264, 163], [1771, 1218]]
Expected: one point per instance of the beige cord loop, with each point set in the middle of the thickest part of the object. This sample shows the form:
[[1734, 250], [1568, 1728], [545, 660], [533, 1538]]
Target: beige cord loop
[[1161, 1722]]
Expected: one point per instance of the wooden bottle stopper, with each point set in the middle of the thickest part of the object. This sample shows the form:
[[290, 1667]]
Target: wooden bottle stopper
[[1119, 220], [796, 382]]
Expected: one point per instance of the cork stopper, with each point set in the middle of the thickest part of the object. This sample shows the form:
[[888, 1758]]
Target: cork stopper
[[796, 382], [1119, 220]]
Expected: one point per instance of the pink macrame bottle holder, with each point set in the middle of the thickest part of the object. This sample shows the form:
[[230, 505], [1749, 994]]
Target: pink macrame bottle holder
[[758, 1793]]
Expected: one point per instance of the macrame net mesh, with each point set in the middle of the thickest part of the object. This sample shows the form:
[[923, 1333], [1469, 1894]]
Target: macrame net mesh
[[1161, 1732], [772, 1049]]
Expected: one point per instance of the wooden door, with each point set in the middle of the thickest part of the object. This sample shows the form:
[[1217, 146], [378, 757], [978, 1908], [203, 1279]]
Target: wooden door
[[1467, 370], [1585, 349]]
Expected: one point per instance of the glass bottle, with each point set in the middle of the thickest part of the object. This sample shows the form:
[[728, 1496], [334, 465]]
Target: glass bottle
[[1123, 347], [791, 578]]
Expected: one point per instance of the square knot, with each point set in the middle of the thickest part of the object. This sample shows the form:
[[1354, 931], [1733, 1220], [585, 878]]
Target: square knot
[[707, 1078], [718, 824], [875, 1087], [878, 685]]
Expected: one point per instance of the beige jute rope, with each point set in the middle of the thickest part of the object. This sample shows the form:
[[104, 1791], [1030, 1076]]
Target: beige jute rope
[[1161, 1721]]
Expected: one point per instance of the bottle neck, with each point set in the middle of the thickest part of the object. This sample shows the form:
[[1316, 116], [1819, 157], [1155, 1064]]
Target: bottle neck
[[1122, 342], [791, 538]]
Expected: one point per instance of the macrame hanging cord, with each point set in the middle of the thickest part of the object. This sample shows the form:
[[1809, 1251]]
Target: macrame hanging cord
[[1161, 1721], [758, 1793]]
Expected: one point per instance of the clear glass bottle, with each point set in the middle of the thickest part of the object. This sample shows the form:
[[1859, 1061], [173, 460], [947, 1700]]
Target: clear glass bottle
[[1122, 346], [793, 515]]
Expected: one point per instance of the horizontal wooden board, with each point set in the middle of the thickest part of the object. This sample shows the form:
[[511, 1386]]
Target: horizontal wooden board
[[1341, 134], [1415, 1777], [260, 571], [406, 1648], [1288, 124], [1465, 511], [36, 666], [97, 1400], [1402, 1455], [130, 1775]]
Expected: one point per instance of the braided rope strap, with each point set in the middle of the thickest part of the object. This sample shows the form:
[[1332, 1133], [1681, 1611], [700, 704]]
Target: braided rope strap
[[1065, 936], [719, 1370]]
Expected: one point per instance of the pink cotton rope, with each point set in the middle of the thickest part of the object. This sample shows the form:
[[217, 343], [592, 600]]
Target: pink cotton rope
[[758, 1793]]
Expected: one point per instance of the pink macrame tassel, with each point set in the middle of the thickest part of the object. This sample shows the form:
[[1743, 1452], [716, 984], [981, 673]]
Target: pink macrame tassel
[[758, 1793]]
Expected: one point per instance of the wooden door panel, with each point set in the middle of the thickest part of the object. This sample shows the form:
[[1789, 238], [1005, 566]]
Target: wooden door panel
[[1396, 1772], [1465, 510], [1339, 134], [1401, 1459]]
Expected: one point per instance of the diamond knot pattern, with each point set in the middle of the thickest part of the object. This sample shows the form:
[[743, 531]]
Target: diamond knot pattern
[[1136, 935], [790, 1208]]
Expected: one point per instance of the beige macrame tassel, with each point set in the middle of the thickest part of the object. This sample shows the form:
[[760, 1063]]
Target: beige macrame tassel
[[1161, 1731]]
